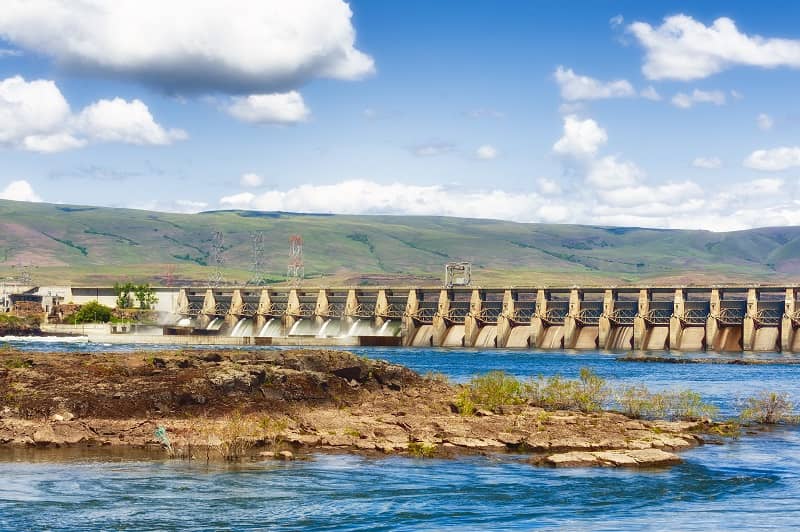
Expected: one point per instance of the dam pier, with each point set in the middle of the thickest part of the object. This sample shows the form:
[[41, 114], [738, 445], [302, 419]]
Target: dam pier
[[691, 319]]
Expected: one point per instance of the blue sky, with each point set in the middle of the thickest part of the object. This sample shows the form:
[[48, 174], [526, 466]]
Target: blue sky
[[661, 114]]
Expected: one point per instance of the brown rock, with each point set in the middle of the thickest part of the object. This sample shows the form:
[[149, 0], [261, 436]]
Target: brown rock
[[572, 459], [616, 458], [653, 457]]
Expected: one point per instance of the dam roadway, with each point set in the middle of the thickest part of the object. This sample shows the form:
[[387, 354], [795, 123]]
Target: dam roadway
[[719, 318]]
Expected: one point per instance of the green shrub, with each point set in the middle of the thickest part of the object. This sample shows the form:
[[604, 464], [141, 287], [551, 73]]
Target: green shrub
[[92, 312], [421, 449], [496, 389], [592, 392], [635, 401], [588, 394], [464, 403], [689, 405], [639, 402], [768, 408]]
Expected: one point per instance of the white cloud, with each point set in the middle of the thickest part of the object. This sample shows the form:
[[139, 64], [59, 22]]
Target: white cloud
[[52, 143], [610, 172], [685, 49], [179, 206], [35, 116], [118, 120], [650, 93], [765, 122], [709, 163], [774, 160], [685, 101], [19, 191], [486, 152], [575, 87], [278, 108], [252, 46], [616, 21], [8, 52], [581, 138], [643, 197], [548, 187], [369, 197], [30, 109], [251, 180]]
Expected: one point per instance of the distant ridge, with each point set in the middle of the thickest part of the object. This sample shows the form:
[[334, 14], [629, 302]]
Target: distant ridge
[[99, 244]]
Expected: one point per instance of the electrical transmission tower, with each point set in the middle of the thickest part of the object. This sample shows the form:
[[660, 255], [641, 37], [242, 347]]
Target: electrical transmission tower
[[296, 269], [257, 278], [217, 248], [24, 275], [169, 275]]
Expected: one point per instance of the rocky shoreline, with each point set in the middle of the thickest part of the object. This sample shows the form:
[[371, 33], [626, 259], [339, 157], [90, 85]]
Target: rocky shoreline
[[286, 404]]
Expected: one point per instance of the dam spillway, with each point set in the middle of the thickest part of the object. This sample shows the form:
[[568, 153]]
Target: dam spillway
[[722, 319]]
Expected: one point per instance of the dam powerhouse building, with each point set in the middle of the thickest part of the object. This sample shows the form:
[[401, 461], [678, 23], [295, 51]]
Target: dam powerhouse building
[[717, 318]]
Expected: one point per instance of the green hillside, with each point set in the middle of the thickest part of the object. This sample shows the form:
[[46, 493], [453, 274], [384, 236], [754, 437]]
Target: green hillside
[[100, 245]]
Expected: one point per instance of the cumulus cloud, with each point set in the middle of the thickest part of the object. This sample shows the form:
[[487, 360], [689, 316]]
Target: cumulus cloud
[[548, 187], [35, 116], [708, 163], [774, 160], [278, 108], [610, 172], [369, 197], [685, 49], [251, 180], [650, 93], [19, 191], [118, 120], [765, 122], [486, 152], [250, 47], [683, 100], [582, 138], [574, 87]]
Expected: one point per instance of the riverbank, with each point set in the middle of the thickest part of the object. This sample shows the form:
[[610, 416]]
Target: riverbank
[[289, 403], [19, 326]]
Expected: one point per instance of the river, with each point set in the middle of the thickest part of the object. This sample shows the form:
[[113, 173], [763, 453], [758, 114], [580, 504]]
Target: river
[[749, 483]]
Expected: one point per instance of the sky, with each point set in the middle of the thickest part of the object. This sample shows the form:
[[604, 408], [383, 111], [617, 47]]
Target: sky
[[651, 114]]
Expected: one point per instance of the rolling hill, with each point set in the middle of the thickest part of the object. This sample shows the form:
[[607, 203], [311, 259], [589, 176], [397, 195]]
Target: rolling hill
[[84, 244]]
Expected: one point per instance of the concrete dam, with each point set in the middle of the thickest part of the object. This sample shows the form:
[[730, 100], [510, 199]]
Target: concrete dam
[[730, 319]]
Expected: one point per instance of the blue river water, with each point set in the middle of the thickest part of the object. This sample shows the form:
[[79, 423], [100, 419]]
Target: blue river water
[[749, 483]]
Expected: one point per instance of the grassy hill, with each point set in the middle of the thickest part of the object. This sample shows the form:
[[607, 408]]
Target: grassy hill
[[83, 244]]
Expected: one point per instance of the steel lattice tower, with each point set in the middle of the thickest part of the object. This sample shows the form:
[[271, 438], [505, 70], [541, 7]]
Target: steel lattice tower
[[217, 249], [257, 278], [296, 269]]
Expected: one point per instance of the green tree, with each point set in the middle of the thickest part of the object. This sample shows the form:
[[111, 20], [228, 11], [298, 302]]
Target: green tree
[[123, 292], [92, 312], [146, 296]]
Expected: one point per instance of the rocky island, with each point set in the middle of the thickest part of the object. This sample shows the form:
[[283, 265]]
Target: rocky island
[[286, 404]]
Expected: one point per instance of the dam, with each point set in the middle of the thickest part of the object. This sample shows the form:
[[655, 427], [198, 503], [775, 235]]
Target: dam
[[691, 319]]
